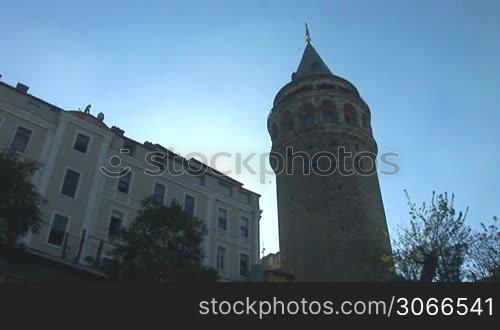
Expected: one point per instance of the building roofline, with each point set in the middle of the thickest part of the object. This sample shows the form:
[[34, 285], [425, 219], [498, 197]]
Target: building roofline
[[312, 77], [212, 171], [53, 106]]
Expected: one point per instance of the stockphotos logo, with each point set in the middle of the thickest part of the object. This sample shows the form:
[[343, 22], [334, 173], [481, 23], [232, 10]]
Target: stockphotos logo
[[291, 162], [114, 168]]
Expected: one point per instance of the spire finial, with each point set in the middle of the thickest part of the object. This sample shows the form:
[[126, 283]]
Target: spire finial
[[308, 36]]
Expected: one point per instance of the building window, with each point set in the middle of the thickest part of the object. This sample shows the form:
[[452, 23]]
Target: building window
[[244, 264], [115, 223], [58, 230], [70, 183], [124, 183], [21, 139], [189, 205], [309, 120], [159, 193], [222, 219], [244, 227], [128, 147], [221, 257], [81, 143]]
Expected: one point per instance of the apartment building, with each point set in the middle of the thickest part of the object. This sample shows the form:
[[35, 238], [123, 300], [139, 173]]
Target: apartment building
[[94, 177]]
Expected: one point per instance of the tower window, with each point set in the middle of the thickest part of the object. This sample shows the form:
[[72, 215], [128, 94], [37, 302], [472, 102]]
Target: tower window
[[347, 117], [328, 117], [286, 121], [350, 114], [309, 120]]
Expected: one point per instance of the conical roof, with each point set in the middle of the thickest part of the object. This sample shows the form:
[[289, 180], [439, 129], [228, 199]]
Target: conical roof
[[311, 64]]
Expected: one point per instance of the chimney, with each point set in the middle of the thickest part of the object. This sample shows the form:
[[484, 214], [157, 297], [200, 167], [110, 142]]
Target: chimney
[[117, 130], [22, 88], [149, 145]]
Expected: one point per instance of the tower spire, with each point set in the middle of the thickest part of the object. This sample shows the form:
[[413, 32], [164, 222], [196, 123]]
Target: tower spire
[[311, 63], [308, 36]]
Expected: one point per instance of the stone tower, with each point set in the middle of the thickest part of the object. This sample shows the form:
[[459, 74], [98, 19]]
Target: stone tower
[[332, 223]]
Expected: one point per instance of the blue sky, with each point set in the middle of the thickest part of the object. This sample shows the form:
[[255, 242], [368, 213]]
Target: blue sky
[[200, 76]]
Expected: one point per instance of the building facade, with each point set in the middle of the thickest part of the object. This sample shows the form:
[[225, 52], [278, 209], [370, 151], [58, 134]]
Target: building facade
[[88, 196], [332, 223]]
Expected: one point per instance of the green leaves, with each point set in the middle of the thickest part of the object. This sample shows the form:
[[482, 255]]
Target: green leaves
[[484, 261], [20, 202], [438, 246], [162, 244], [434, 245]]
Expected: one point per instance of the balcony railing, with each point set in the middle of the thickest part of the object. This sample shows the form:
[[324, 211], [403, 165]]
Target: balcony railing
[[85, 252]]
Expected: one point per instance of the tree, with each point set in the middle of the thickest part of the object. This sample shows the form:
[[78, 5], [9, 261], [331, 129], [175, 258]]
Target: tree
[[163, 243], [484, 254], [20, 202], [435, 244]]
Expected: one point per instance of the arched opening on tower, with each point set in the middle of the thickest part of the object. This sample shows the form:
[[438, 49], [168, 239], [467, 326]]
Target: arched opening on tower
[[308, 119], [329, 111], [350, 115], [287, 122], [328, 117]]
